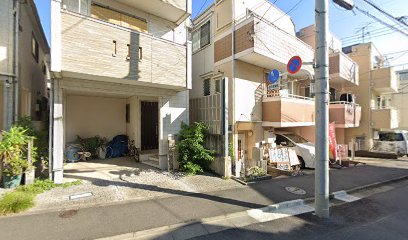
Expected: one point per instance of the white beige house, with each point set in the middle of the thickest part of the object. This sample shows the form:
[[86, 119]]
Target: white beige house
[[119, 67], [24, 57], [264, 39], [345, 111], [374, 93], [400, 99]]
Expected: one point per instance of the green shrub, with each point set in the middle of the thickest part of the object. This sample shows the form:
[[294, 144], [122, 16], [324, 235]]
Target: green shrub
[[14, 202], [193, 156], [256, 172], [40, 140], [40, 186], [14, 151], [22, 198]]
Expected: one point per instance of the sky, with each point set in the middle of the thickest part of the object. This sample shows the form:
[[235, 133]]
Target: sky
[[344, 24]]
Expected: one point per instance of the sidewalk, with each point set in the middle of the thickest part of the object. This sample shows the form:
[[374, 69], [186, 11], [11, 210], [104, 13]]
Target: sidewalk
[[119, 218]]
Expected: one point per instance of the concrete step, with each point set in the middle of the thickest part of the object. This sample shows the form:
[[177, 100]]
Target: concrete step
[[152, 163], [154, 158]]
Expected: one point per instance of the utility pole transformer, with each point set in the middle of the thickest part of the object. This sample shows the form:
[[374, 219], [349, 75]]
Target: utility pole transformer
[[322, 109]]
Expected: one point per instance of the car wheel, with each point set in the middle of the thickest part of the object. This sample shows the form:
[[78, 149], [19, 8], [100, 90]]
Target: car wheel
[[302, 162]]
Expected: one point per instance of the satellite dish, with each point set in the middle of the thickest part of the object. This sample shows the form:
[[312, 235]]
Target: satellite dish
[[379, 60]]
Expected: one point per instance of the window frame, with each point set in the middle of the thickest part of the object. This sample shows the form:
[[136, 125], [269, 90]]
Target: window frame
[[35, 48], [207, 37], [207, 89]]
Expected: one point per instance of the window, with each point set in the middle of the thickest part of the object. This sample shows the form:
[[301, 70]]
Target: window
[[205, 35], [114, 48], [201, 36], [332, 94], [34, 48], [207, 87], [44, 68], [217, 86], [78, 6], [140, 53], [118, 18], [128, 113]]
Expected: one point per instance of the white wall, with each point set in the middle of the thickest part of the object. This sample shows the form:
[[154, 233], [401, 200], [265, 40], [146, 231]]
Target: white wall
[[32, 79], [88, 116], [271, 14], [173, 111], [132, 128]]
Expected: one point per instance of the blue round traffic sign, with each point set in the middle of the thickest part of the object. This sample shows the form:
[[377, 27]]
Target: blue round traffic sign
[[273, 76], [294, 64]]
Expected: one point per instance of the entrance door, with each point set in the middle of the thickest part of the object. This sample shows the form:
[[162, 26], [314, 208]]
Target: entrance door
[[149, 125]]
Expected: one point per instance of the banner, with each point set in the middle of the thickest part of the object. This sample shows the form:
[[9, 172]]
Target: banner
[[332, 142]]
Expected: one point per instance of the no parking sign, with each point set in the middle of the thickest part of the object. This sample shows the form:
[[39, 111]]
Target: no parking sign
[[294, 64]]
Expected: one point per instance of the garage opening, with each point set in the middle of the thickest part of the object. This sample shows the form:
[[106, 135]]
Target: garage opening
[[109, 117]]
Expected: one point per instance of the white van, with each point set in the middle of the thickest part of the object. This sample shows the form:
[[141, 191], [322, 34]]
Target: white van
[[392, 141], [303, 148]]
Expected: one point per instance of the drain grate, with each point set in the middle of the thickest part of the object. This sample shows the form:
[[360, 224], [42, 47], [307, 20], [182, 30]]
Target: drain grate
[[295, 190]]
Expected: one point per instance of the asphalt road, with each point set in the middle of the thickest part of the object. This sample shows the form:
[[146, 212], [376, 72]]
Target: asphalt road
[[382, 216], [120, 218]]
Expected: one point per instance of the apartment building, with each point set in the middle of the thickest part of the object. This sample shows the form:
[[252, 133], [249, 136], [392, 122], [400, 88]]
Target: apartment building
[[374, 93], [344, 110], [265, 39], [119, 67], [400, 99], [24, 57]]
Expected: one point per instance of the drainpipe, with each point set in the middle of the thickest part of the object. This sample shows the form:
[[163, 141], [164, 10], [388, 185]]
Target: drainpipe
[[234, 138], [16, 59], [370, 92], [51, 129]]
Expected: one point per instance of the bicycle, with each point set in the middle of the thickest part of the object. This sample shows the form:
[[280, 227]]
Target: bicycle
[[133, 151]]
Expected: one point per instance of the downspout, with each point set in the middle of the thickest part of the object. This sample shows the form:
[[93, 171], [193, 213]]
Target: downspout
[[16, 60], [234, 138], [51, 130]]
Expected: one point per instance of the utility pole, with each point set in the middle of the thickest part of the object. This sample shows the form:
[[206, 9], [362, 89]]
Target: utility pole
[[322, 109]]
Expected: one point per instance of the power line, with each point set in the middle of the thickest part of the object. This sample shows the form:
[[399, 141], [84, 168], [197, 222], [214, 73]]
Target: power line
[[380, 21], [385, 13], [378, 34], [350, 42], [373, 31], [205, 2]]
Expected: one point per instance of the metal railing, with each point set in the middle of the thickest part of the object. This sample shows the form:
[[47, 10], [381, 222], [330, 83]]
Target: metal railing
[[344, 103], [287, 95]]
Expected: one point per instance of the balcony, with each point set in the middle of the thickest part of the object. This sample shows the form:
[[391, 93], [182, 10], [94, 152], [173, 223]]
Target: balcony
[[261, 43], [343, 71], [344, 114], [97, 50], [384, 80], [385, 118], [173, 10], [287, 110]]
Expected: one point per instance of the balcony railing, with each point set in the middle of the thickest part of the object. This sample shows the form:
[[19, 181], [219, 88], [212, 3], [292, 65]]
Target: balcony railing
[[95, 49], [343, 70], [287, 110], [345, 114], [263, 44]]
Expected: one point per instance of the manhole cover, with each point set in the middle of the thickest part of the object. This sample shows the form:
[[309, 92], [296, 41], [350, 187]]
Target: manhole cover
[[295, 190], [68, 214]]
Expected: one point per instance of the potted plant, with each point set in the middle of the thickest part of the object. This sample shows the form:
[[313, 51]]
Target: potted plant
[[14, 157]]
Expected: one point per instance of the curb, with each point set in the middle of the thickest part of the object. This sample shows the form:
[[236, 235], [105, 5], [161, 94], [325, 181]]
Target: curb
[[216, 224], [332, 196]]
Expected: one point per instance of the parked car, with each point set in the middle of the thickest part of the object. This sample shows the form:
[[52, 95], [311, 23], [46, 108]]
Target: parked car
[[393, 141], [304, 149]]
